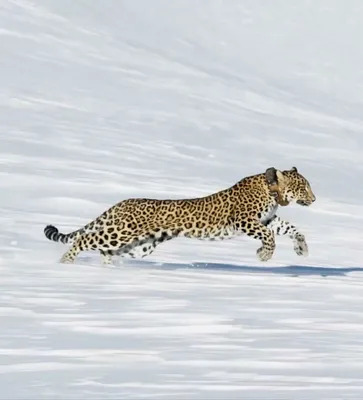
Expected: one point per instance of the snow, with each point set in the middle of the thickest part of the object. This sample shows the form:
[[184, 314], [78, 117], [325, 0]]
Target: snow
[[101, 101]]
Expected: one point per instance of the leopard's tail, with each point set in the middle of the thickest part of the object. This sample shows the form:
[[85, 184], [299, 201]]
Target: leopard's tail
[[52, 233]]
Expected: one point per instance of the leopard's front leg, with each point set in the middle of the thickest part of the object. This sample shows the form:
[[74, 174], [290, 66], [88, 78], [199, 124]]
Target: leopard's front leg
[[257, 230], [281, 227]]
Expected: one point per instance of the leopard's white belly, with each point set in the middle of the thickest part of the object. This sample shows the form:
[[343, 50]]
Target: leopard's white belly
[[270, 213], [226, 232]]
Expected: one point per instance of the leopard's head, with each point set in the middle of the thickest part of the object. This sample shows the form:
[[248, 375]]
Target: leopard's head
[[290, 186]]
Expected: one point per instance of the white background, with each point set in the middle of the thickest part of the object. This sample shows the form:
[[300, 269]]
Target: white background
[[101, 101]]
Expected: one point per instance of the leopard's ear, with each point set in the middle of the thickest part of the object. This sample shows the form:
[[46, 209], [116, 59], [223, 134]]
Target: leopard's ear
[[276, 182], [271, 176], [293, 169], [274, 176]]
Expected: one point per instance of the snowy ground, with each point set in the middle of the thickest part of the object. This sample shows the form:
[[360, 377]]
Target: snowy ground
[[101, 101]]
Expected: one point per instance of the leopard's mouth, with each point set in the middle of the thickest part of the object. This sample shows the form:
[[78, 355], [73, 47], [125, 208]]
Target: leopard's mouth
[[303, 203]]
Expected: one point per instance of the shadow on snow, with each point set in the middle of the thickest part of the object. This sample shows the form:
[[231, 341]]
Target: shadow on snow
[[291, 270]]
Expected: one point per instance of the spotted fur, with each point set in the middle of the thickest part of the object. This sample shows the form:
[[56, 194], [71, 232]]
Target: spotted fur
[[134, 227]]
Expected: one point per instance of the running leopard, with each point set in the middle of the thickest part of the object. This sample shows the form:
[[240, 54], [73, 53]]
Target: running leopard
[[134, 227]]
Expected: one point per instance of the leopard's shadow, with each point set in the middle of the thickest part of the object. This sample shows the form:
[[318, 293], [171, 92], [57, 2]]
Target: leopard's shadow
[[291, 270]]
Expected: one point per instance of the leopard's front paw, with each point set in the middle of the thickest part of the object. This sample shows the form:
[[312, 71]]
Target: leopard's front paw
[[300, 246], [264, 253]]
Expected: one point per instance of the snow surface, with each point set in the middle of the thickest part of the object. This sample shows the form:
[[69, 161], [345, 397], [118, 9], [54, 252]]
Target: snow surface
[[101, 101]]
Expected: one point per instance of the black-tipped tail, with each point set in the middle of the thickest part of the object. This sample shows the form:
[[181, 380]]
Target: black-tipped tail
[[52, 233]]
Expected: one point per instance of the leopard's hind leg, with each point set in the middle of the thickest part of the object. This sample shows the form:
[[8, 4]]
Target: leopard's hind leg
[[144, 245], [124, 246], [106, 256], [94, 241]]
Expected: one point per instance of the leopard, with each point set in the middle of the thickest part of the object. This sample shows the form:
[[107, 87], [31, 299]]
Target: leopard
[[134, 227]]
